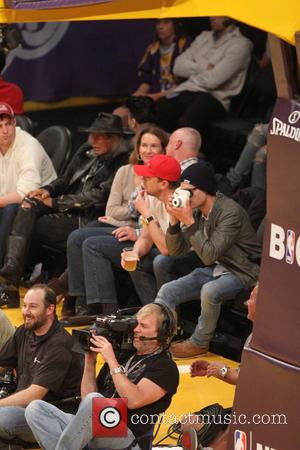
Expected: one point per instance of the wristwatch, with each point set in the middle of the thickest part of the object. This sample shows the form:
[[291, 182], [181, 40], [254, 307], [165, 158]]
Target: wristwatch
[[147, 220], [224, 371], [119, 369]]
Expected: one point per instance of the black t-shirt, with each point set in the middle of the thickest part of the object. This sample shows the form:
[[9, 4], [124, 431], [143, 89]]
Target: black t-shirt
[[46, 360], [161, 370]]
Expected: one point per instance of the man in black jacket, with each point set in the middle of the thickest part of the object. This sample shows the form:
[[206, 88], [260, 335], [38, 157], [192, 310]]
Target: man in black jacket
[[80, 195]]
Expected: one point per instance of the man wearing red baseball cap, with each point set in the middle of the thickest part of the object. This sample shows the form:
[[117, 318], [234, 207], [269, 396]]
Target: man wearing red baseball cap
[[161, 166], [24, 166], [160, 179]]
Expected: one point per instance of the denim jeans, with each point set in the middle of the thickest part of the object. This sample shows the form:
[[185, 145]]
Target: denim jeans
[[7, 215], [212, 291], [56, 430], [154, 269], [143, 278], [92, 253], [169, 268], [13, 424], [256, 139]]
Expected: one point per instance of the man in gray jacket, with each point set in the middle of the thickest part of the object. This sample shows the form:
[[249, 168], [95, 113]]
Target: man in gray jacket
[[220, 233], [214, 68]]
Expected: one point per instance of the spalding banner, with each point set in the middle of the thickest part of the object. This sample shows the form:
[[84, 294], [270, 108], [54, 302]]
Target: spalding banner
[[266, 410], [266, 404], [277, 324], [42, 4]]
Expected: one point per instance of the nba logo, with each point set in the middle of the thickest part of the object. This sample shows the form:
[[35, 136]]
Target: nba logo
[[290, 247], [240, 440]]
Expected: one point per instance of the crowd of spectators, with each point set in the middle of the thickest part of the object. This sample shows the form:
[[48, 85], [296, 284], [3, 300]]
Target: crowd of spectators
[[131, 188]]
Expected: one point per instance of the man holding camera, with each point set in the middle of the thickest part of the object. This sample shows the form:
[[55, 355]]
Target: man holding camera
[[148, 380], [40, 351], [223, 238]]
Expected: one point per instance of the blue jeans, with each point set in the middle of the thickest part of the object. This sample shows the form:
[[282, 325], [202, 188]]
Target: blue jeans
[[154, 269], [212, 292], [244, 166], [143, 278], [56, 430], [92, 253], [13, 424], [7, 215], [169, 268]]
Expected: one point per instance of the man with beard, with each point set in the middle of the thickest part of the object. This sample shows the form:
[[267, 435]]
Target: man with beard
[[40, 352]]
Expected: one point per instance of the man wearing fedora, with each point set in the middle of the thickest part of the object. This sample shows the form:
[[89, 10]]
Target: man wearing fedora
[[50, 213]]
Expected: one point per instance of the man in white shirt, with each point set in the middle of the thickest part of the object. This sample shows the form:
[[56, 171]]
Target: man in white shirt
[[24, 166], [214, 68]]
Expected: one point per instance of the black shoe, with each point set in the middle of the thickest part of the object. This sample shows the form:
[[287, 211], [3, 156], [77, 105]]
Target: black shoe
[[10, 273], [9, 297], [89, 310], [85, 315], [77, 321]]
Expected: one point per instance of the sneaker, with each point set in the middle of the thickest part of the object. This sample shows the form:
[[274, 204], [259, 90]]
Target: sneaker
[[189, 440], [186, 350]]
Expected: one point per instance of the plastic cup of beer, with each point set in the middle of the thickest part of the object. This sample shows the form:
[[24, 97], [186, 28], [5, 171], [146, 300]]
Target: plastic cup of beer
[[130, 259]]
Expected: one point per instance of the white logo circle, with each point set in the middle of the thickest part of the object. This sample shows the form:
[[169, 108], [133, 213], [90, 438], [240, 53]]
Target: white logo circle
[[109, 417], [294, 117], [38, 39]]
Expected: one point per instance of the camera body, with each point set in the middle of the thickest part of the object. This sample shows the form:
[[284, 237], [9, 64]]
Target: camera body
[[118, 330], [181, 198], [8, 383]]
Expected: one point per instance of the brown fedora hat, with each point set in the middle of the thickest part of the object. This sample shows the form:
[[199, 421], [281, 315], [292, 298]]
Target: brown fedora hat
[[107, 123]]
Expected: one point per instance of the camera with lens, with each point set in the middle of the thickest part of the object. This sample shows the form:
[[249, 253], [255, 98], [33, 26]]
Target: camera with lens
[[181, 198], [117, 329], [8, 383]]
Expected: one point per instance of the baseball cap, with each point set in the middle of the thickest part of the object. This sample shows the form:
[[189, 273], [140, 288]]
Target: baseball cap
[[200, 175], [161, 166], [5, 108]]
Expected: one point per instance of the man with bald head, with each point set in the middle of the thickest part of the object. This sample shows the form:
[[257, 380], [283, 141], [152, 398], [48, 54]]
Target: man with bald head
[[184, 145]]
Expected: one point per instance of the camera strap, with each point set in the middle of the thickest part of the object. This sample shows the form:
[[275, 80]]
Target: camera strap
[[129, 369]]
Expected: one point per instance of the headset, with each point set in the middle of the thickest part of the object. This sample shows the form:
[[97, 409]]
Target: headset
[[169, 325], [167, 329]]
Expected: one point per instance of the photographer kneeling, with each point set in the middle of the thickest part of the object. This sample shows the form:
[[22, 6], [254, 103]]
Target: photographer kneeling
[[148, 380]]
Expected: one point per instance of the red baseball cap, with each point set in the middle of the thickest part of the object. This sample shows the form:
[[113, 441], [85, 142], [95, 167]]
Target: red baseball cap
[[6, 109], [161, 166]]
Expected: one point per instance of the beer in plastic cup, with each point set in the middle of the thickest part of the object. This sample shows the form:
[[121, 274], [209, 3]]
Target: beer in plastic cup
[[130, 259]]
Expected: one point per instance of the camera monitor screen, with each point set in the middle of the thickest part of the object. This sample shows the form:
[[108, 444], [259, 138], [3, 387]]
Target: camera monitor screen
[[50, 4]]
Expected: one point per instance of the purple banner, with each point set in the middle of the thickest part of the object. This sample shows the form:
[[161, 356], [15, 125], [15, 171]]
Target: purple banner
[[59, 60], [43, 4]]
